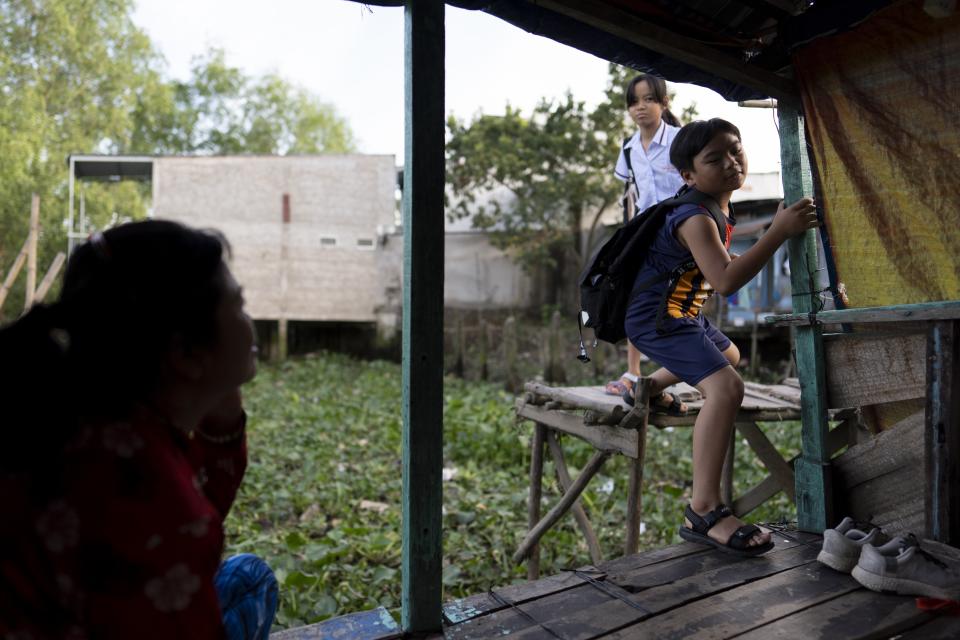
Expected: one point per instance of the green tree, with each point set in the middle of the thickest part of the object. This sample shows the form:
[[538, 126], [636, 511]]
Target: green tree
[[80, 77], [220, 110], [537, 183], [69, 73]]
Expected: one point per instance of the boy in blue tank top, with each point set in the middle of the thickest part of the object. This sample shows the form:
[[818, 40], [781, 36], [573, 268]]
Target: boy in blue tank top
[[664, 320]]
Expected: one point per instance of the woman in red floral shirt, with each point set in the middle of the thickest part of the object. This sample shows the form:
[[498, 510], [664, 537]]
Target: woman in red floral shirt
[[123, 447]]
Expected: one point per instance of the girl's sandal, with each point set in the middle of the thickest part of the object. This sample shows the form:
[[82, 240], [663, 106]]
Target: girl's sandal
[[617, 387], [738, 544]]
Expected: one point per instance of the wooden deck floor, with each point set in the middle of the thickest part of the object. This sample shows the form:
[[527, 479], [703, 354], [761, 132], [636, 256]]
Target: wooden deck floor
[[688, 591]]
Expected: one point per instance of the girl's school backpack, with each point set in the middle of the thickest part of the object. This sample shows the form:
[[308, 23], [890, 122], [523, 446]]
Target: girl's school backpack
[[608, 279]]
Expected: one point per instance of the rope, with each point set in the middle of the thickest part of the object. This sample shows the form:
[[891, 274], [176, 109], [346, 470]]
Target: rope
[[602, 586], [504, 602]]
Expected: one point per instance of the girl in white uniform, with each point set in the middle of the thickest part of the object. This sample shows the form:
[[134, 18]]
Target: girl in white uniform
[[644, 163]]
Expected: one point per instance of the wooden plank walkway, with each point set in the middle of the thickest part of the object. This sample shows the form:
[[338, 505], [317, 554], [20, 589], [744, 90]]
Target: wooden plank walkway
[[689, 591]]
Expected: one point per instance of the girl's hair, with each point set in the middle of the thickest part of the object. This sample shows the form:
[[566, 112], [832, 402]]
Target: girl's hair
[[694, 136], [99, 349], [658, 87]]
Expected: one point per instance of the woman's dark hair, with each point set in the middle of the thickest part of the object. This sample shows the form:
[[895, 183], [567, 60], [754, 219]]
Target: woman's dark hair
[[658, 87], [98, 349], [693, 137]]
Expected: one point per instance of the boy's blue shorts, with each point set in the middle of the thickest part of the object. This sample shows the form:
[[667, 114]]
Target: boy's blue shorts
[[691, 349]]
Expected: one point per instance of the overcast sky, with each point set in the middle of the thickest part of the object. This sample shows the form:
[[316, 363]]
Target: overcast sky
[[351, 56]]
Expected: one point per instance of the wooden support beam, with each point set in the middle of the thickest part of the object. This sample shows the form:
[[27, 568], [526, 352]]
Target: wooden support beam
[[14, 271], [536, 493], [533, 536], [32, 239], [635, 488], [629, 27], [812, 469], [769, 456], [283, 338], [602, 437], [942, 433], [942, 310], [49, 277], [727, 472], [422, 365], [563, 475], [770, 486]]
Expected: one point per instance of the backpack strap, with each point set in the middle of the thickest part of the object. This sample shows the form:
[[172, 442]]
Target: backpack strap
[[686, 195], [631, 180]]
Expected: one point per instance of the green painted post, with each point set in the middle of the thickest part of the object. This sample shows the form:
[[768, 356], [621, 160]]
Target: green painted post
[[812, 470], [423, 176]]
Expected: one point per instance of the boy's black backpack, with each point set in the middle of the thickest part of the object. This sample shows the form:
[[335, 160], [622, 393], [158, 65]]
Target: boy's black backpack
[[608, 279]]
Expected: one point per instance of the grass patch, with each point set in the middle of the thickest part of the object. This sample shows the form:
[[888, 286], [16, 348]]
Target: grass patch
[[321, 498]]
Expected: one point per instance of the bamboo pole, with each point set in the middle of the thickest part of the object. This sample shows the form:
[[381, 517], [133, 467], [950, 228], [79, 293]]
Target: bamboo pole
[[32, 251], [18, 263]]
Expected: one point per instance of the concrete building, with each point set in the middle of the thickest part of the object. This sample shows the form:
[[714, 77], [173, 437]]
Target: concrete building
[[308, 233]]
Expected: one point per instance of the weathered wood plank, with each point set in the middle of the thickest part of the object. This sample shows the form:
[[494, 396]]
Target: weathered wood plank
[[861, 614], [606, 405], [602, 437], [741, 609], [812, 469], [377, 624], [874, 369], [688, 584], [560, 508], [879, 480], [942, 434], [462, 609], [422, 365], [758, 399], [563, 475], [785, 392], [647, 558], [687, 567], [513, 618], [938, 629], [899, 446], [947, 310]]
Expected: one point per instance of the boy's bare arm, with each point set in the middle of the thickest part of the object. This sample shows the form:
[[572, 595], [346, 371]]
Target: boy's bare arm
[[726, 275]]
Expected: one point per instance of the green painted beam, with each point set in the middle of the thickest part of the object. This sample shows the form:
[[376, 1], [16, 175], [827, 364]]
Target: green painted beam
[[423, 224], [812, 468], [943, 310]]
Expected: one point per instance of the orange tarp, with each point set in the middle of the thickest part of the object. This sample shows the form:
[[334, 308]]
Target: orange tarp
[[882, 108]]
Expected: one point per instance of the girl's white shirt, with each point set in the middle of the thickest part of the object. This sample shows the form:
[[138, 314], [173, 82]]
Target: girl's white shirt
[[654, 177]]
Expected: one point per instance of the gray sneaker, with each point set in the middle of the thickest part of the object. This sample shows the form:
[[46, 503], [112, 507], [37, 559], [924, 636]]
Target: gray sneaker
[[912, 570], [842, 545]]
